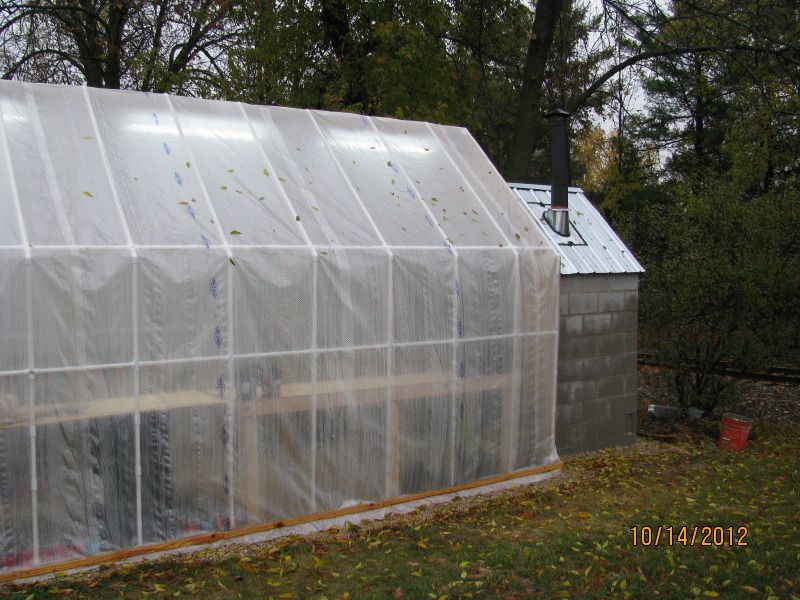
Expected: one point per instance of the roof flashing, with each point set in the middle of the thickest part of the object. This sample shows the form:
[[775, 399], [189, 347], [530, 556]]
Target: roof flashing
[[592, 246]]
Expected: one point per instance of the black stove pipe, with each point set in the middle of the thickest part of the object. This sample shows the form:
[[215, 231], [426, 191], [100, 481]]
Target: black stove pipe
[[558, 214]]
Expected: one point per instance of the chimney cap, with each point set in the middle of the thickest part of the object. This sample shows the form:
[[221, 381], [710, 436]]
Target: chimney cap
[[558, 112]]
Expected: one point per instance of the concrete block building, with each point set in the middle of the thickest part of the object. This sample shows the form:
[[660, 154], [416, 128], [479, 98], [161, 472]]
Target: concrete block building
[[596, 385]]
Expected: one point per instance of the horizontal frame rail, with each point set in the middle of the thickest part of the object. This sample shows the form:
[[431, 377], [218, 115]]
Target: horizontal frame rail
[[276, 353]]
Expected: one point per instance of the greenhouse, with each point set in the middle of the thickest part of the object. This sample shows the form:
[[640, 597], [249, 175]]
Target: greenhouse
[[216, 315]]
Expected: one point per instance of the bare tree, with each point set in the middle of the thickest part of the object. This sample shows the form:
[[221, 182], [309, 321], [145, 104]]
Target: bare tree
[[149, 45]]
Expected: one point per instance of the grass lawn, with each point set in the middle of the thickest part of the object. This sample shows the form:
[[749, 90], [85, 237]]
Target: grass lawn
[[566, 538]]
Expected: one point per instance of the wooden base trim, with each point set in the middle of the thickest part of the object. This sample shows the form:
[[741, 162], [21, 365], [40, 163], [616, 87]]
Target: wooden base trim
[[208, 538]]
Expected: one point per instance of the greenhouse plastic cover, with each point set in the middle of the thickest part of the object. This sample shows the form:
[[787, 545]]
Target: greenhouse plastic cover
[[215, 315]]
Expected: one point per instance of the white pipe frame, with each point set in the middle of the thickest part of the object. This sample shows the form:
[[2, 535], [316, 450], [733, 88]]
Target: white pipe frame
[[230, 389], [26, 249], [137, 417], [315, 269], [391, 415], [450, 247], [509, 420]]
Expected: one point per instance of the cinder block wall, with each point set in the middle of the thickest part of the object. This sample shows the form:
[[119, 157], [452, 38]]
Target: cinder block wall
[[596, 399]]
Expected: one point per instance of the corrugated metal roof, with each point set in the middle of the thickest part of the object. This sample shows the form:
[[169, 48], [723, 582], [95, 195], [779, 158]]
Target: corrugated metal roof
[[592, 246]]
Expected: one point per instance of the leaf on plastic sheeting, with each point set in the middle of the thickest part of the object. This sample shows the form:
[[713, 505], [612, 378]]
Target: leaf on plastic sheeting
[[88, 194], [260, 198], [87, 137], [314, 207], [233, 262], [427, 149], [434, 199], [323, 253], [230, 170], [188, 165], [388, 163], [281, 179], [297, 218], [239, 191], [235, 232], [223, 187], [516, 235], [500, 245], [265, 172], [184, 203]]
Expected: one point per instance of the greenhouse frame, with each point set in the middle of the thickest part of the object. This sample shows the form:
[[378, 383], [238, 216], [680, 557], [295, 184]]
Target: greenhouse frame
[[216, 315]]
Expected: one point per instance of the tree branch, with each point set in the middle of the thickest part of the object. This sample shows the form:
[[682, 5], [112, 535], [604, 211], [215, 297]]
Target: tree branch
[[9, 74], [642, 56]]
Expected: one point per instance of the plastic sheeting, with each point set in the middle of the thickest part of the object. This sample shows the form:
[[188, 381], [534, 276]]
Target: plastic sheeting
[[215, 315]]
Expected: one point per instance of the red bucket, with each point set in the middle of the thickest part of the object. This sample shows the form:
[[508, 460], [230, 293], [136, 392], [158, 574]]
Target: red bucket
[[734, 432]]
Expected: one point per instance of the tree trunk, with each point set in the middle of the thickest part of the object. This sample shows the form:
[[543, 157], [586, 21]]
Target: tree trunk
[[548, 12]]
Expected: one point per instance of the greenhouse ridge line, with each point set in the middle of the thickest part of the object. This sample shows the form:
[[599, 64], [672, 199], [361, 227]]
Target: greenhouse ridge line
[[251, 247]]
